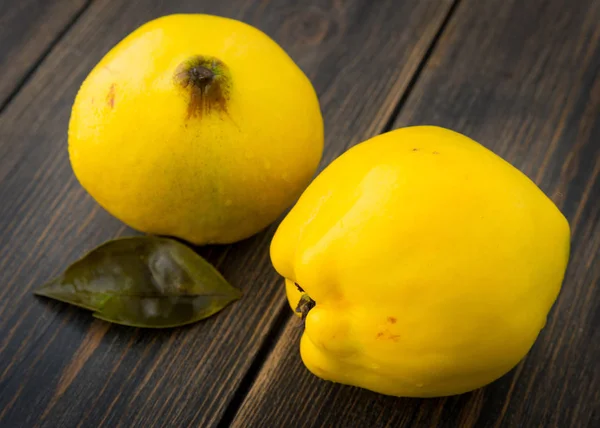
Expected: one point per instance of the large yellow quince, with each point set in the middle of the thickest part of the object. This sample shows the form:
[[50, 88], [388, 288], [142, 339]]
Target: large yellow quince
[[196, 126], [425, 265]]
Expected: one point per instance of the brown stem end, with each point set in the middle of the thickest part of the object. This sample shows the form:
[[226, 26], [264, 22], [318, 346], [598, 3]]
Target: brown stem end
[[206, 81], [305, 304]]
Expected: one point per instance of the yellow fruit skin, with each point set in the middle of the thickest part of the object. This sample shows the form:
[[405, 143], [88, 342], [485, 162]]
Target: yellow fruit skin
[[433, 264], [213, 179]]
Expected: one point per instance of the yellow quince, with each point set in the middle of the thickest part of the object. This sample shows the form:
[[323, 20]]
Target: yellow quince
[[196, 126], [424, 264]]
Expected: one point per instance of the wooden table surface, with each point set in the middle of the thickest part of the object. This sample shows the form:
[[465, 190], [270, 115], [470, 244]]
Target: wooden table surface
[[521, 77]]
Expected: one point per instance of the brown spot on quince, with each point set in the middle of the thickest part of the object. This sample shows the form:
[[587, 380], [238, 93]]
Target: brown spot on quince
[[387, 335], [110, 97]]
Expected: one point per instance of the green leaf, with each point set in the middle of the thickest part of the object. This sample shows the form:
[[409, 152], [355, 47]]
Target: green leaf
[[143, 281]]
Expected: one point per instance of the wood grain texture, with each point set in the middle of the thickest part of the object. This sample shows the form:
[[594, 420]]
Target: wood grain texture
[[522, 78], [59, 367], [28, 28]]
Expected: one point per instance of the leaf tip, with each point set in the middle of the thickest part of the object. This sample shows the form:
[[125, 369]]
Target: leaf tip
[[40, 292]]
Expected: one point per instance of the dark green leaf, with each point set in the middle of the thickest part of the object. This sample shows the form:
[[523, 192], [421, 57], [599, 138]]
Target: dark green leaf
[[143, 281]]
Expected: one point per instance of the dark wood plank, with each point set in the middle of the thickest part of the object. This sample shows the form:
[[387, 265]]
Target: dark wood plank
[[522, 78], [28, 28], [60, 368]]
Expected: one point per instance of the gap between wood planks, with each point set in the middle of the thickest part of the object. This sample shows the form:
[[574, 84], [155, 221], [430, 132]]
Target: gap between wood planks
[[38, 62], [284, 316]]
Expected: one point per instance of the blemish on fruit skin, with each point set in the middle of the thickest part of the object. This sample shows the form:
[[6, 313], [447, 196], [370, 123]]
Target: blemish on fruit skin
[[394, 337], [387, 335], [392, 320], [436, 153], [415, 150], [110, 97]]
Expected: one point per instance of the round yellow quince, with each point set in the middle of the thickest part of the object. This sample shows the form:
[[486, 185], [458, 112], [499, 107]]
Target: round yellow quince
[[424, 264], [196, 126]]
